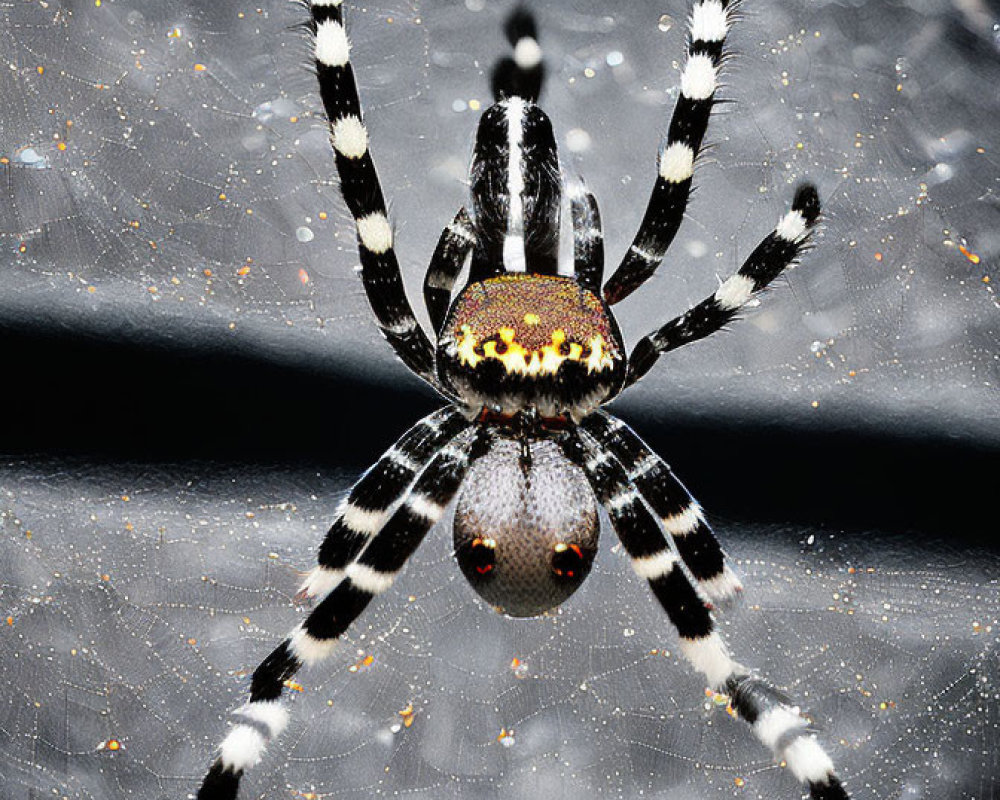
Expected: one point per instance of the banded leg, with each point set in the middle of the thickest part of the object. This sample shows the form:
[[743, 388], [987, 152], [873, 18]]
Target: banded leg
[[588, 238], [775, 722], [362, 193], [679, 513], [362, 513], [449, 256], [779, 250], [522, 73], [708, 26], [264, 717]]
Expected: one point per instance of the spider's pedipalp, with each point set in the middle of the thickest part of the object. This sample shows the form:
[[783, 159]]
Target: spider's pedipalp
[[708, 26], [362, 193], [372, 573], [363, 512], [774, 720], [775, 253], [588, 238], [679, 514], [454, 245]]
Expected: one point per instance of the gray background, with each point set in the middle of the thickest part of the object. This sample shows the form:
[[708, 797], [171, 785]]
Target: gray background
[[193, 379]]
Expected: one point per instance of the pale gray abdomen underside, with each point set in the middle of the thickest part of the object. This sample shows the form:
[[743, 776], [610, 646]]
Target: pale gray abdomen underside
[[525, 528]]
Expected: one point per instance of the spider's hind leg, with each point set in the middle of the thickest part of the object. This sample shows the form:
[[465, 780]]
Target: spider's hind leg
[[678, 512], [363, 512], [264, 716], [773, 719]]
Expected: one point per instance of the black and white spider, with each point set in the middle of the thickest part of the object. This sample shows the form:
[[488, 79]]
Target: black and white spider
[[527, 354]]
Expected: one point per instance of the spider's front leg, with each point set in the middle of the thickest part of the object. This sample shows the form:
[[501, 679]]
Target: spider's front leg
[[775, 722], [362, 193], [372, 572], [775, 253], [708, 26]]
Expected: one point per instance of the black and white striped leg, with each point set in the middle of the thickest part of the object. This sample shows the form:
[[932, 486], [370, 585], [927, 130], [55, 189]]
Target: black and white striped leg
[[679, 513], [779, 250], [453, 247], [708, 25], [362, 513], [522, 73], [777, 724], [588, 238], [264, 717], [362, 193]]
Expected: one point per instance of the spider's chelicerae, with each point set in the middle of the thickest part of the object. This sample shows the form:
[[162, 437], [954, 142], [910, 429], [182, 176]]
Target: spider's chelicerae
[[527, 354]]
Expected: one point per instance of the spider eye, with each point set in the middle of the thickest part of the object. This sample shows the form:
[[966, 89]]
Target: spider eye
[[568, 560], [482, 555]]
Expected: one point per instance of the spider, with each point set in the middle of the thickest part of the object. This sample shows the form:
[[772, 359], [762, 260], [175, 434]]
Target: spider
[[527, 354]]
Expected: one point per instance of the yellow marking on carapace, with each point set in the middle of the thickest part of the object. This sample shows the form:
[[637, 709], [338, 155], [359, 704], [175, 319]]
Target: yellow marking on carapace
[[531, 319], [519, 360]]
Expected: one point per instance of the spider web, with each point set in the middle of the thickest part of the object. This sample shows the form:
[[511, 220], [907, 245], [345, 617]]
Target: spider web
[[168, 182]]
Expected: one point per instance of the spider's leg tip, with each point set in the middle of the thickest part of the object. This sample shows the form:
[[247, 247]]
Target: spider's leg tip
[[807, 203]]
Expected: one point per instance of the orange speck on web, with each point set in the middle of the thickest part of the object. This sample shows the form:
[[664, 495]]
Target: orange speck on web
[[61, 146], [303, 276], [244, 270], [113, 744], [515, 662], [739, 782], [878, 256], [10, 620], [407, 715], [41, 70], [973, 257], [295, 687], [192, 641], [200, 67], [322, 215]]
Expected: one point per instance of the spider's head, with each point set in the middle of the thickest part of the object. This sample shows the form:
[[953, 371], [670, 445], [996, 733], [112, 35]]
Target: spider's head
[[524, 341], [525, 529]]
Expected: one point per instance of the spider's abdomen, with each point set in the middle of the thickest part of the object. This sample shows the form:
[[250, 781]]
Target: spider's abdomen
[[524, 341], [526, 527]]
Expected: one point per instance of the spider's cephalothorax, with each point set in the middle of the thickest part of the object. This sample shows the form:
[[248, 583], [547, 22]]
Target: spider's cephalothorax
[[526, 355], [521, 342], [524, 335]]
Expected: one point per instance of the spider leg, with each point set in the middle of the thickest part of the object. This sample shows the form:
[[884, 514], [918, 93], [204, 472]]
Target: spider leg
[[775, 722], [777, 251], [362, 193], [364, 511], [522, 74], [588, 238], [264, 717], [449, 256], [708, 25], [679, 513]]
